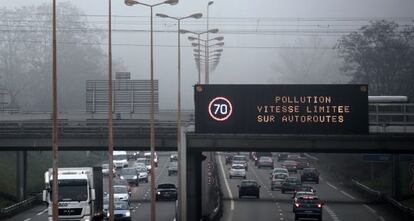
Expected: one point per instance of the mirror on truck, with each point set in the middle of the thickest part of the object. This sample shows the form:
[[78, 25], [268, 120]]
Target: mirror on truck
[[92, 194], [44, 197]]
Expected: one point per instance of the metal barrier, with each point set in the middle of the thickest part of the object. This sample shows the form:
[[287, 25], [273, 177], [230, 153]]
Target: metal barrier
[[20, 206]]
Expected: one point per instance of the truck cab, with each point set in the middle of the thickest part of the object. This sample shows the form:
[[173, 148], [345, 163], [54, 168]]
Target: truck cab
[[80, 193]]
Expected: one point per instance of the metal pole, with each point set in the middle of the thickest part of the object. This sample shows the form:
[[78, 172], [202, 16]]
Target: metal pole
[[55, 191], [110, 123], [152, 136], [199, 62]]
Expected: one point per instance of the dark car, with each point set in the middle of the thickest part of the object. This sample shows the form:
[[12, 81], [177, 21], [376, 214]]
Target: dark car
[[249, 188], [282, 157], [256, 156], [173, 157], [290, 184], [303, 162], [173, 168], [308, 206], [122, 211], [310, 174], [265, 162], [229, 158], [298, 195], [130, 175], [166, 191]]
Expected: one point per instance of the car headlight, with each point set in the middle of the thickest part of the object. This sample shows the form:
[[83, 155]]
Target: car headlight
[[158, 193], [134, 177], [128, 213], [122, 177]]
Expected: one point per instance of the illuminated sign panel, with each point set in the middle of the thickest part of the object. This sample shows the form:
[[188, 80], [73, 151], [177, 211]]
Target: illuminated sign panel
[[281, 109]]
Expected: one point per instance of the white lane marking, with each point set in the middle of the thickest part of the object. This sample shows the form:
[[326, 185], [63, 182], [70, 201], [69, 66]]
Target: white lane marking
[[27, 219], [331, 213], [382, 218], [348, 195], [369, 208], [40, 213], [332, 185], [227, 185]]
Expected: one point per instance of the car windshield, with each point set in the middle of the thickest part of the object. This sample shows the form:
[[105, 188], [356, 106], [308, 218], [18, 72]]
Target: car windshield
[[143, 160], [279, 170], [292, 180], [166, 186], [239, 158], [280, 176], [248, 183], [141, 169], [128, 171], [121, 205], [120, 189], [105, 166], [309, 170], [237, 167], [265, 159]]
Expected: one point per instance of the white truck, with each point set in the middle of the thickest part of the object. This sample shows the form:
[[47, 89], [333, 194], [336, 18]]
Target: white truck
[[80, 193]]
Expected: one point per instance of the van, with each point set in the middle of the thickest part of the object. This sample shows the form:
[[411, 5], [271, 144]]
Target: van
[[120, 159]]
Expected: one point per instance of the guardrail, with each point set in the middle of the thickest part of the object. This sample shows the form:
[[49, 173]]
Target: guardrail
[[20, 206], [406, 212]]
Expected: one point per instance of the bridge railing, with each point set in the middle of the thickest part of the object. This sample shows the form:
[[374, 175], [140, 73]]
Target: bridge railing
[[20, 206]]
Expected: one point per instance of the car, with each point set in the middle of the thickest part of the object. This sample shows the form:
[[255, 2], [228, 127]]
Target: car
[[290, 184], [237, 170], [299, 194], [265, 162], [120, 159], [105, 169], [249, 188], [173, 157], [240, 159], [122, 211], [290, 165], [133, 155], [277, 180], [173, 168], [305, 188], [293, 157], [166, 191], [310, 174], [303, 162], [130, 175], [146, 162], [148, 156], [121, 193], [308, 206], [256, 156], [142, 174], [280, 170]]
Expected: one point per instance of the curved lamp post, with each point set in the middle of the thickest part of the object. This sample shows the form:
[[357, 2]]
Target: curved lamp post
[[152, 130]]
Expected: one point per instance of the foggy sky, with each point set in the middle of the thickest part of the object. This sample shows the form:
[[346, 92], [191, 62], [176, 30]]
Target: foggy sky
[[249, 57]]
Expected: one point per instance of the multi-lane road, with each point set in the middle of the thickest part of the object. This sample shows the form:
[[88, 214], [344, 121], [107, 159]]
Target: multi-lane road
[[141, 199], [341, 204]]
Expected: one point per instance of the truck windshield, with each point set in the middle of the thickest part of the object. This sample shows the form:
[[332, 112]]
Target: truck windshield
[[72, 190]]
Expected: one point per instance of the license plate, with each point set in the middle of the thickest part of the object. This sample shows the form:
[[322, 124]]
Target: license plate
[[308, 211]]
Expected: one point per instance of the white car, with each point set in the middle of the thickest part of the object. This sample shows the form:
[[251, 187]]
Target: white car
[[237, 170], [105, 169], [121, 193], [142, 174], [120, 159], [148, 156], [280, 170]]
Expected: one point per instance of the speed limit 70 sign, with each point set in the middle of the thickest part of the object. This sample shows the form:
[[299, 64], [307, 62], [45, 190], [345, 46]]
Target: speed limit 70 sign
[[220, 108]]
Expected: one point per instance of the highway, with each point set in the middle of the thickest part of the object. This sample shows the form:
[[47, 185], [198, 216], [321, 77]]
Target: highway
[[341, 204], [141, 199]]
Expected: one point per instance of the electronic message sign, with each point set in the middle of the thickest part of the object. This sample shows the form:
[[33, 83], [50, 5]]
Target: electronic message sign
[[281, 109]]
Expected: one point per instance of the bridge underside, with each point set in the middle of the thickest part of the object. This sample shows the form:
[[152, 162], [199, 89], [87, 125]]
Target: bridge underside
[[378, 143]]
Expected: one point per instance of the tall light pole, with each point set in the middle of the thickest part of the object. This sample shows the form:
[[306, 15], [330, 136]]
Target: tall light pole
[[181, 183], [55, 147], [110, 131], [207, 80], [152, 129], [198, 37]]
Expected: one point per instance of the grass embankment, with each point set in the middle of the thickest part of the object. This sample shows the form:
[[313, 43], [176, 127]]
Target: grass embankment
[[37, 163]]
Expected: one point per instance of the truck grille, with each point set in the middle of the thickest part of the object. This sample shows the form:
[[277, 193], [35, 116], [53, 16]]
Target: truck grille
[[70, 212]]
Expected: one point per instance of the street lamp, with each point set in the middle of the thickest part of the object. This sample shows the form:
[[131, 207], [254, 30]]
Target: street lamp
[[152, 130], [182, 31], [181, 179], [207, 71]]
